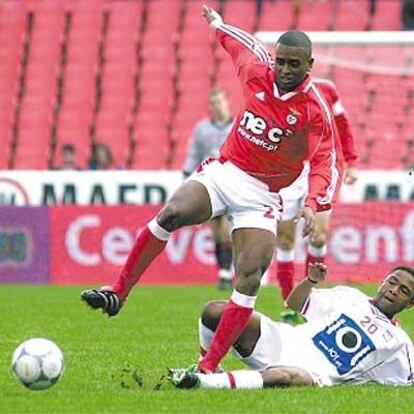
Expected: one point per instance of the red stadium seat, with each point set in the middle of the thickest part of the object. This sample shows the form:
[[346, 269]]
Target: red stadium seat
[[240, 13], [155, 77], [178, 159], [150, 157], [352, 15], [33, 148], [90, 7], [5, 138], [196, 31], [12, 15], [315, 16], [196, 55], [387, 15], [31, 159], [151, 129], [276, 15], [163, 15], [193, 72], [74, 125], [125, 15]]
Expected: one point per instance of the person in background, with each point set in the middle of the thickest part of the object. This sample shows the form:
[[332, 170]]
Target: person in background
[[101, 158], [68, 153], [208, 136], [407, 14]]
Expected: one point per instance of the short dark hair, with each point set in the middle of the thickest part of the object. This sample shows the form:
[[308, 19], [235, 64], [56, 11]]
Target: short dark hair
[[297, 39], [216, 91], [407, 269], [68, 148]]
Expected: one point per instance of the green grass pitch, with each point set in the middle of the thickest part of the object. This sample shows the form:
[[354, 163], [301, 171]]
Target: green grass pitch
[[157, 329]]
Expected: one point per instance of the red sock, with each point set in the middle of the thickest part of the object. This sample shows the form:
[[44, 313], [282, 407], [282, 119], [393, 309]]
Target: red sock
[[146, 248], [313, 259], [285, 273], [232, 323]]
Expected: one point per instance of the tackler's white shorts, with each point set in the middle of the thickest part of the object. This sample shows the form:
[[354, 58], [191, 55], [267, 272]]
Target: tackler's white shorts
[[246, 201]]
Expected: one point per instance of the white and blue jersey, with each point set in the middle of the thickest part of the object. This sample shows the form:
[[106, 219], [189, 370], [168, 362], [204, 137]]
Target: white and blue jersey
[[346, 339], [349, 340]]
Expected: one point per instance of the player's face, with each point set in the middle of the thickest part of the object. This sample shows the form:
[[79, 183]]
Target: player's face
[[68, 157], [396, 293], [291, 65], [219, 106]]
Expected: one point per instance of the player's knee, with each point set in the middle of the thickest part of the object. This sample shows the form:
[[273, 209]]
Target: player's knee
[[254, 262], [211, 314], [319, 240], [170, 216], [249, 285], [285, 241]]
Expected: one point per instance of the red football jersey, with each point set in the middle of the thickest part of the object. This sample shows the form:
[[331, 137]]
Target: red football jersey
[[274, 134], [330, 93]]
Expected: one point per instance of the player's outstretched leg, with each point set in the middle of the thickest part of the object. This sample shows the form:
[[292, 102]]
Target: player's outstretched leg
[[190, 204], [243, 379], [149, 244]]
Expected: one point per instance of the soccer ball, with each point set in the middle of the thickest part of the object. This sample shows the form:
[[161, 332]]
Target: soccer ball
[[38, 363]]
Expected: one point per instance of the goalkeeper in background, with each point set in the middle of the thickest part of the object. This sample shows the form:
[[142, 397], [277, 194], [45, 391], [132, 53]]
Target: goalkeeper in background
[[208, 136], [294, 196]]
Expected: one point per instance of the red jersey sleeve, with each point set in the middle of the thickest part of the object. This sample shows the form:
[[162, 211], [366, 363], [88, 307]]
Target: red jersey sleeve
[[324, 174], [347, 139], [344, 129], [244, 49]]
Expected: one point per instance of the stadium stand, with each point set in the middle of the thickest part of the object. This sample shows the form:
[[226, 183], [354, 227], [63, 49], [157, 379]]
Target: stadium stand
[[135, 74]]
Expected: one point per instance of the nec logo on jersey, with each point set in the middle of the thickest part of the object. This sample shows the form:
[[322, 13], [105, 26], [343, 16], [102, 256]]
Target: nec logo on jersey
[[258, 125]]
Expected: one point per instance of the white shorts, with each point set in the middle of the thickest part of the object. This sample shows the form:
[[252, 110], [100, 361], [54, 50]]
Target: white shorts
[[278, 345], [246, 201], [294, 195]]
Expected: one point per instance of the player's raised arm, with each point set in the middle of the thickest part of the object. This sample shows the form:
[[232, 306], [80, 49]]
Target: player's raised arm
[[297, 298], [242, 46], [212, 17]]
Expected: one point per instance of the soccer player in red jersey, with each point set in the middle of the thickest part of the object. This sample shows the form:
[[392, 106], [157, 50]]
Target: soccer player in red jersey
[[294, 195], [284, 121]]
